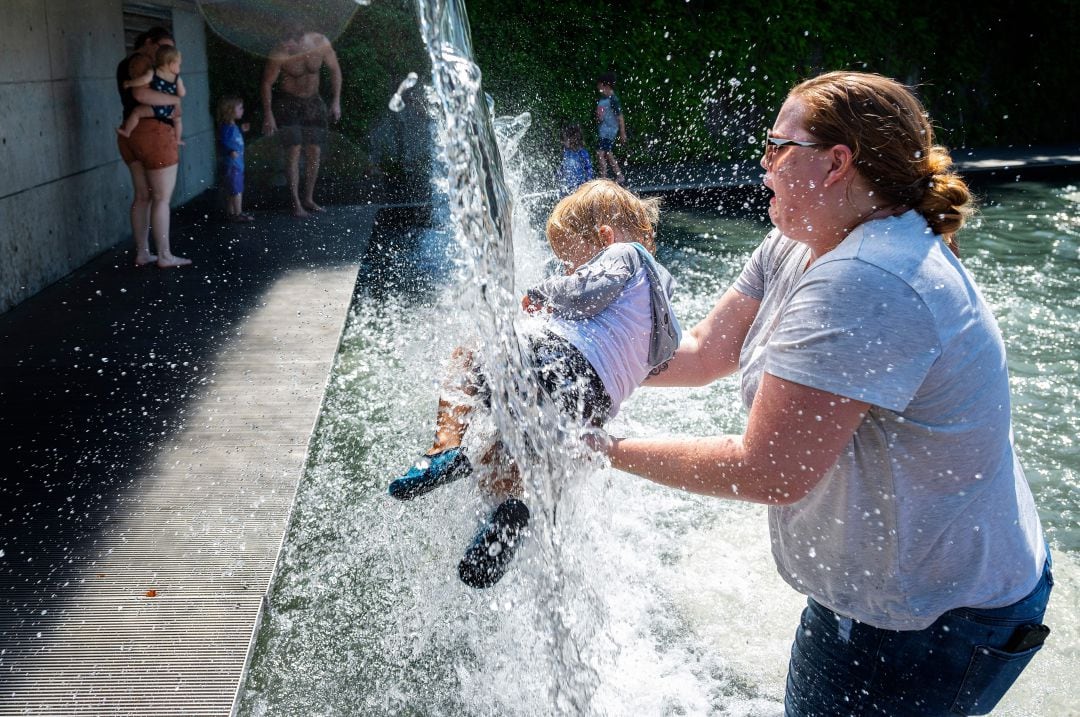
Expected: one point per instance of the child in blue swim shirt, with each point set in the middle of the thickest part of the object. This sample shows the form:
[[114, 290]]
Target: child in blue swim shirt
[[230, 146], [576, 167], [605, 325]]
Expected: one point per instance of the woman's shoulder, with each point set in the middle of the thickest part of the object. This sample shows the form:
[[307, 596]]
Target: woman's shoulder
[[777, 249], [902, 245], [138, 64]]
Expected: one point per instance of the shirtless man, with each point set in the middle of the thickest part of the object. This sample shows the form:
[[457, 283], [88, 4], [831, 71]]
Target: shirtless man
[[296, 112]]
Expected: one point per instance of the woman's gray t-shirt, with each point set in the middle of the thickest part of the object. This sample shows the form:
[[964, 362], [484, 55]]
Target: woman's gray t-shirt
[[928, 508]]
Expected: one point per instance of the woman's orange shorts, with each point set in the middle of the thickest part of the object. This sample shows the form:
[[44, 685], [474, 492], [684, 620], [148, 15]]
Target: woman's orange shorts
[[152, 143]]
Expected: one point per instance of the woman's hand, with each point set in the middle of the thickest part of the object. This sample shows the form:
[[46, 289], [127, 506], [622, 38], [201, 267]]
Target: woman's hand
[[531, 307], [269, 125]]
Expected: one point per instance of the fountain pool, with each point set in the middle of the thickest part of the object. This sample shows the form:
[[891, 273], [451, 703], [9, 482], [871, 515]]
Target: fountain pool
[[367, 615]]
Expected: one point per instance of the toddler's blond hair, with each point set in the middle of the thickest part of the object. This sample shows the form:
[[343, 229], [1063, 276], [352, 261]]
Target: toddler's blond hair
[[165, 55], [578, 217]]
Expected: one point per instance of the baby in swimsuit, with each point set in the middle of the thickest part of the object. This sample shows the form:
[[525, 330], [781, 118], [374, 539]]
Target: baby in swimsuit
[[165, 77]]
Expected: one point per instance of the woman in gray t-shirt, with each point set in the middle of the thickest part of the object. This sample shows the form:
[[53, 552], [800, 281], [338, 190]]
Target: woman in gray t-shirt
[[879, 428]]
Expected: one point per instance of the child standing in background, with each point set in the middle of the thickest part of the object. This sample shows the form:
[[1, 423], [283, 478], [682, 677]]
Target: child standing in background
[[576, 169], [165, 77], [609, 118], [230, 139]]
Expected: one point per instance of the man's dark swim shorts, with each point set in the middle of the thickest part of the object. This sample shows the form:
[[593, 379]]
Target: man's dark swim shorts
[[300, 120]]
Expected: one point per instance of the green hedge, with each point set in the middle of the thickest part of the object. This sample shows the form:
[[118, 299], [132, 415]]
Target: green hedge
[[698, 79]]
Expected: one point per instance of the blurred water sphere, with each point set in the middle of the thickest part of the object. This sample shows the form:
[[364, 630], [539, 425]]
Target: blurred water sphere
[[258, 26]]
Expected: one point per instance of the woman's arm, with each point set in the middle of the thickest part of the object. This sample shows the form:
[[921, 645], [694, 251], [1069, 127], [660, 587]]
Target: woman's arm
[[147, 96], [794, 436], [181, 91], [711, 349]]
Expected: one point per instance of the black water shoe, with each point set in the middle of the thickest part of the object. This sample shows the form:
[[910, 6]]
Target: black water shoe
[[493, 548]]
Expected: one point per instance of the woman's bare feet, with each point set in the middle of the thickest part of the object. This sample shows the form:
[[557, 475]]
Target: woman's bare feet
[[299, 212], [172, 262], [313, 207], [144, 259]]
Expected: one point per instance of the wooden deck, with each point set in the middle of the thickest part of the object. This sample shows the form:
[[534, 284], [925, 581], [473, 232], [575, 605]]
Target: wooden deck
[[155, 426]]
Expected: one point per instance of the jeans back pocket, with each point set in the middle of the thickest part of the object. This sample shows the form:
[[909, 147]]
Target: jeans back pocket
[[989, 676]]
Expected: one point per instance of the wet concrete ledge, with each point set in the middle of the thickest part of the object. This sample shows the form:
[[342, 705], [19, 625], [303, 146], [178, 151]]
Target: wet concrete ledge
[[155, 427]]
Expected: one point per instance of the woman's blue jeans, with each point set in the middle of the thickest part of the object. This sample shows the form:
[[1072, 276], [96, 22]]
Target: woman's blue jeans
[[957, 666]]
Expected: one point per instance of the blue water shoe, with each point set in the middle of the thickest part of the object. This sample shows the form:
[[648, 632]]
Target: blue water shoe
[[431, 472]]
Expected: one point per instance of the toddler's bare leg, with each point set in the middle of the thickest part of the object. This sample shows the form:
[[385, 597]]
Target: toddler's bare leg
[[451, 421], [504, 481], [452, 417], [139, 113], [601, 161]]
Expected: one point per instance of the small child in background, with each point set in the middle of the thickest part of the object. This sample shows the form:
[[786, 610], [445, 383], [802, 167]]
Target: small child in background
[[610, 122], [230, 141], [600, 329], [576, 168], [165, 77]]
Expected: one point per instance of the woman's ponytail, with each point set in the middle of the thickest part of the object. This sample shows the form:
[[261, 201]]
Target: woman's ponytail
[[946, 204]]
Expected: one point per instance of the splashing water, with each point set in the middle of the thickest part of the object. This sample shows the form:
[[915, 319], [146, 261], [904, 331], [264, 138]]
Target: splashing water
[[396, 102], [533, 433]]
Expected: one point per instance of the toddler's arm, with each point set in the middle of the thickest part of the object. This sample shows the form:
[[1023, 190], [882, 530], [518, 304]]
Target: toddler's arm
[[141, 81], [591, 288]]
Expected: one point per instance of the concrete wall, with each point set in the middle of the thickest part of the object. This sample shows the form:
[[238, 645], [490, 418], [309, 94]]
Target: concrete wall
[[64, 192]]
